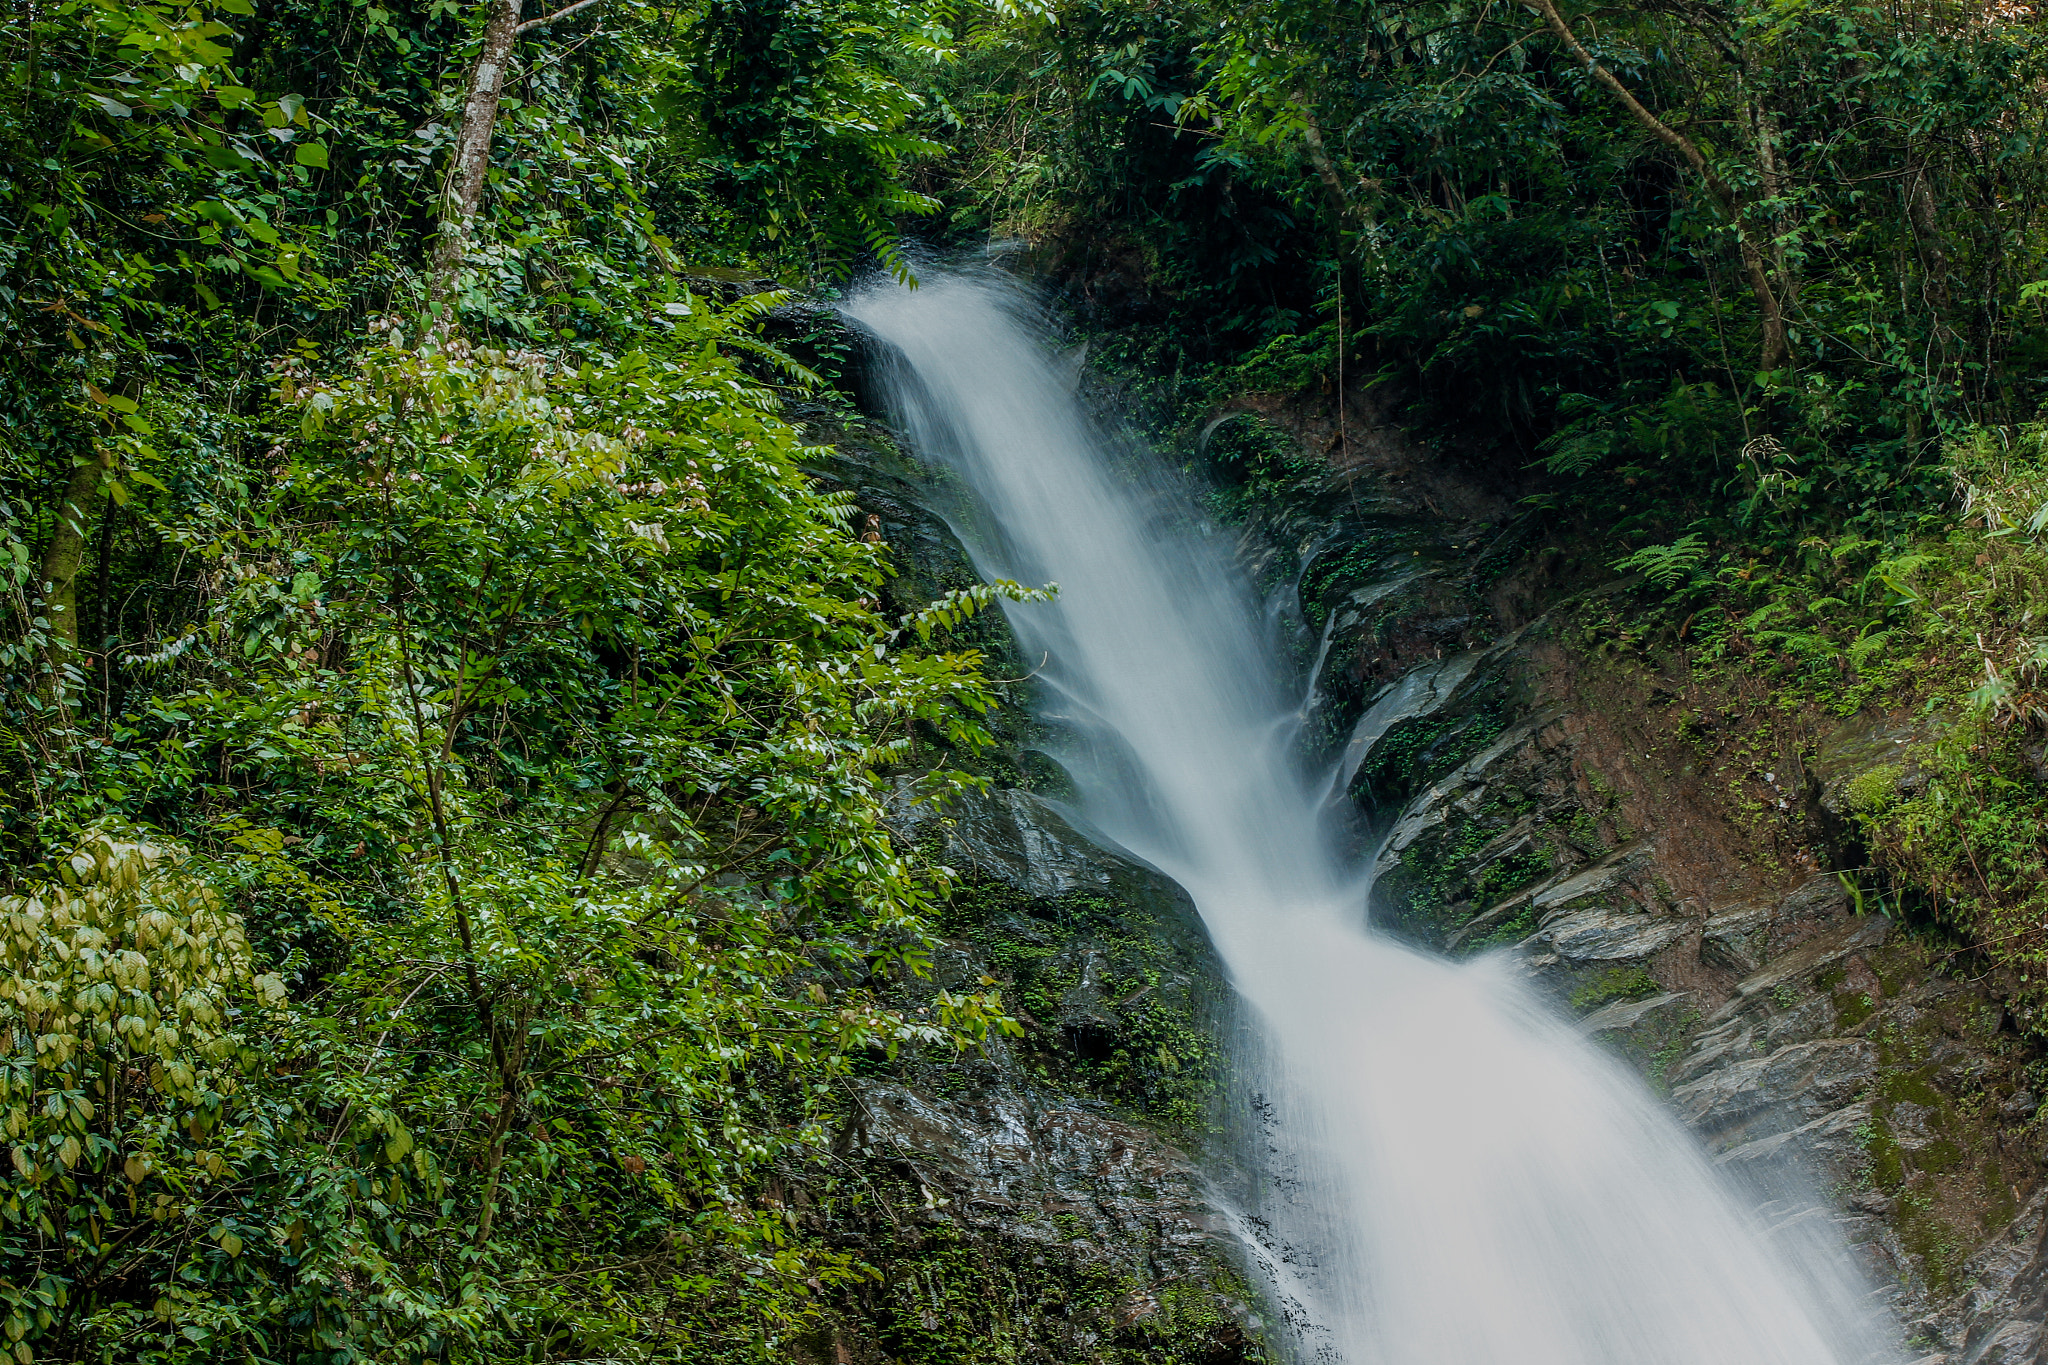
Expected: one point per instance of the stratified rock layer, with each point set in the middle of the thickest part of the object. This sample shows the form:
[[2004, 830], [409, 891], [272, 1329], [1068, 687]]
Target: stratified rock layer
[[1033, 1200]]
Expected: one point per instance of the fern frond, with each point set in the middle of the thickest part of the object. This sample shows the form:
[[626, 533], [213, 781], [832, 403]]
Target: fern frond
[[1667, 566]]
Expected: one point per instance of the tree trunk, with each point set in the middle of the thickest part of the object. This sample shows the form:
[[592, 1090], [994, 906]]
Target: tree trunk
[[61, 562], [1923, 217], [1778, 186], [464, 193], [1776, 347], [472, 163], [1326, 170]]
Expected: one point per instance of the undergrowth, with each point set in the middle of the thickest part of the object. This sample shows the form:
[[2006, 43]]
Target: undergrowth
[[1944, 631]]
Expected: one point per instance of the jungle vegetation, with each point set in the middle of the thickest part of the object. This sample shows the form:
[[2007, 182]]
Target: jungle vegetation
[[446, 731], [1745, 301]]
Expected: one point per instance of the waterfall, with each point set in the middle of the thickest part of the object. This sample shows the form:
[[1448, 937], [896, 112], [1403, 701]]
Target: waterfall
[[1456, 1178]]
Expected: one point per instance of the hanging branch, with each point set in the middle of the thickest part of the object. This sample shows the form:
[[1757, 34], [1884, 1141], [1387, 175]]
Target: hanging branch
[[561, 13], [1776, 349]]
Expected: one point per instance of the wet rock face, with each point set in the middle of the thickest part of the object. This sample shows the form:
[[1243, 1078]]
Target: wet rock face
[[1824, 1055], [1022, 840], [1034, 1201], [2000, 1319], [1061, 1178], [1819, 1052], [1033, 1198], [1031, 1226], [1105, 961]]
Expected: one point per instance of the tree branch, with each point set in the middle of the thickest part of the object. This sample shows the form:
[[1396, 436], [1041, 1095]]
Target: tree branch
[[561, 13], [1776, 349]]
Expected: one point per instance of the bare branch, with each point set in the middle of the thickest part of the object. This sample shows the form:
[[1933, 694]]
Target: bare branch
[[1775, 348], [561, 13]]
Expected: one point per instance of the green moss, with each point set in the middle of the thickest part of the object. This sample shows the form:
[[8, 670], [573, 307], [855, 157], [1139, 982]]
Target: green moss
[[2001, 1199], [1417, 752], [1255, 467], [1508, 933], [1150, 1046], [1852, 1008], [1912, 1088], [1674, 1047], [1503, 877], [1938, 1156], [1368, 556], [1428, 893], [1887, 1158], [1933, 1241], [946, 1297], [1620, 983], [1870, 792]]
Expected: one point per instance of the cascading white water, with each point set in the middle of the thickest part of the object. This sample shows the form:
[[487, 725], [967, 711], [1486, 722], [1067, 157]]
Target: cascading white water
[[1466, 1181]]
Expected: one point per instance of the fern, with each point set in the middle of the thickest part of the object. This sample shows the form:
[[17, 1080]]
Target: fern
[[748, 309], [1579, 447], [1866, 645], [1763, 615], [1667, 566], [806, 377]]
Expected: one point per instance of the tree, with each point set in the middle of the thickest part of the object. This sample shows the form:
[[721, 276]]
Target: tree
[[1775, 349], [470, 160]]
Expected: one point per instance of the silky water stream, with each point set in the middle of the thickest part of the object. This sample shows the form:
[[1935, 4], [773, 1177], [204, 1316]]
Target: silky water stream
[[1447, 1173]]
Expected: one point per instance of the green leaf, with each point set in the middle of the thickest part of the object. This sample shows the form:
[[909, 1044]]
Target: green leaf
[[227, 159], [312, 154], [111, 400]]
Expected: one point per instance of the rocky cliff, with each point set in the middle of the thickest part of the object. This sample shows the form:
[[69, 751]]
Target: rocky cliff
[[1675, 859], [1042, 1200], [1671, 857]]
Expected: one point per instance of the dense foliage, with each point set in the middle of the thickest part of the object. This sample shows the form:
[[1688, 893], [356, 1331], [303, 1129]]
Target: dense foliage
[[446, 733], [1761, 276], [446, 728], [1746, 300]]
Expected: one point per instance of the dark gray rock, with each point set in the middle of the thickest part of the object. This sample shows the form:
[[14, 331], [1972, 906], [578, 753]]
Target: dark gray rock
[[1733, 936], [1597, 888], [1831, 1144], [1015, 837], [1774, 1094], [1461, 788], [1824, 950], [1999, 1320], [1492, 918], [1032, 1168], [1599, 934], [1623, 1015]]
